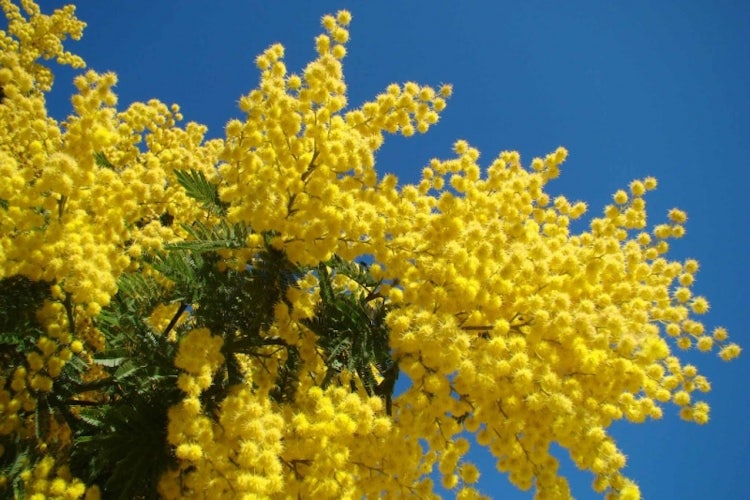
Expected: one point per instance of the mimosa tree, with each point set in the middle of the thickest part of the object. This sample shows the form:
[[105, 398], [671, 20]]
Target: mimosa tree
[[227, 318]]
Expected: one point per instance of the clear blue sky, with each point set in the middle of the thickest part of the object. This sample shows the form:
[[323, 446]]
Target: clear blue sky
[[630, 88]]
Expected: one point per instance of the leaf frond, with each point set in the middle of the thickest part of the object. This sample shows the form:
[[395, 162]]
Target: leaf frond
[[201, 190]]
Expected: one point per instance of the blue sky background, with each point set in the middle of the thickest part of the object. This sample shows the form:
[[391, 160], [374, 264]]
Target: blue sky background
[[630, 88]]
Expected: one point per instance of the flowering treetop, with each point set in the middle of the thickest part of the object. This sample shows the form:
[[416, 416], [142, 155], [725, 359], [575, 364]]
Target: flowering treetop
[[205, 293]]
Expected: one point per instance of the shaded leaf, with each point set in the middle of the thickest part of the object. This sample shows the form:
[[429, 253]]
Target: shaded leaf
[[109, 362]]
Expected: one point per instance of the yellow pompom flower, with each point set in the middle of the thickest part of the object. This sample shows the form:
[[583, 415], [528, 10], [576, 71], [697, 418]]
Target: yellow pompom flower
[[682, 294], [686, 279], [339, 51], [189, 451], [700, 305], [344, 17], [637, 188], [705, 343], [677, 216], [720, 334], [691, 266], [469, 473], [730, 352], [328, 22], [684, 343], [620, 197], [650, 183], [446, 90]]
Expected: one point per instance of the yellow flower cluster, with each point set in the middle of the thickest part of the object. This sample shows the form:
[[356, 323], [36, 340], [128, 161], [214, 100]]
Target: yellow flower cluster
[[338, 444], [199, 356], [82, 198], [331, 444], [66, 216], [510, 325], [319, 159], [534, 333], [78, 200], [235, 456], [45, 481], [38, 37], [162, 315]]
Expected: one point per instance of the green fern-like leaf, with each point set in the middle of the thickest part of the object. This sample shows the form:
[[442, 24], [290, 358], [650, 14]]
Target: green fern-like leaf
[[184, 268], [218, 237], [197, 187], [101, 161]]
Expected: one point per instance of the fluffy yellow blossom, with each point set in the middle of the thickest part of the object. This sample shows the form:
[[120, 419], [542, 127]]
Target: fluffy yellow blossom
[[44, 480], [469, 473], [199, 349], [720, 334], [677, 216], [730, 352], [620, 197]]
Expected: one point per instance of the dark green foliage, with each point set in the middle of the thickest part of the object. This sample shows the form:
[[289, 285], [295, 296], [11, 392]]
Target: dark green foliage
[[13, 346], [351, 329], [120, 439], [18, 456], [121, 442], [123, 446], [137, 358], [239, 306], [287, 379], [354, 271], [20, 298]]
